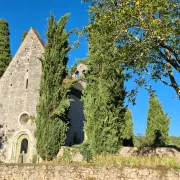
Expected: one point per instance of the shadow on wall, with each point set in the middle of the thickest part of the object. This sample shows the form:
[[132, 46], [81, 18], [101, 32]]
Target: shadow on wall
[[75, 134]]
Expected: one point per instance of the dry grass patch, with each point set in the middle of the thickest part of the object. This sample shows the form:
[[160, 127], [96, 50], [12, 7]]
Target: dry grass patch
[[136, 161]]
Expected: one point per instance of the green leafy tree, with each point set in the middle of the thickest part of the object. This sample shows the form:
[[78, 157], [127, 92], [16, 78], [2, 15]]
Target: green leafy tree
[[24, 35], [147, 35], [103, 96], [157, 124], [5, 53], [73, 69], [52, 122], [128, 132]]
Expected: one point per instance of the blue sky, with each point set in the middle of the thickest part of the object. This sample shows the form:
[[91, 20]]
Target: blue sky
[[21, 15]]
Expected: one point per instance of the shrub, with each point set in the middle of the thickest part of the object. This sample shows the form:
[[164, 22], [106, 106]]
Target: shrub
[[86, 152]]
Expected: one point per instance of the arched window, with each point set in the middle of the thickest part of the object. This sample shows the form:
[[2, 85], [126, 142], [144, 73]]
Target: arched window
[[24, 146]]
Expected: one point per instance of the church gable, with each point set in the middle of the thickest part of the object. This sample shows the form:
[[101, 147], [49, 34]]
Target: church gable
[[19, 86]]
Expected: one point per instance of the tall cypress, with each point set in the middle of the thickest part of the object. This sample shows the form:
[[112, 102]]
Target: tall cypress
[[5, 53], [128, 132], [157, 124], [52, 121], [103, 97]]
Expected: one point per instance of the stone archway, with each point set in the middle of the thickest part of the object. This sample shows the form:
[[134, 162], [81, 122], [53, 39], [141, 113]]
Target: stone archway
[[22, 149], [21, 141]]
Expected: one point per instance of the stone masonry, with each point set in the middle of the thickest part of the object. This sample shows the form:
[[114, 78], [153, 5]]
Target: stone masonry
[[19, 93], [15, 172], [19, 96]]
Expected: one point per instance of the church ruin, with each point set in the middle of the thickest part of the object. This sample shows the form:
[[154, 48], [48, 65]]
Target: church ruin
[[19, 96]]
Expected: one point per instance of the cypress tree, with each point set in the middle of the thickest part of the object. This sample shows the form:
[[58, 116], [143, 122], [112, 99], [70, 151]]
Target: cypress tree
[[157, 124], [103, 97], [5, 53], [128, 133], [52, 121]]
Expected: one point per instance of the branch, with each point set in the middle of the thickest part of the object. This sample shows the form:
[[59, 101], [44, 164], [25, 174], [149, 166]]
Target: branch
[[172, 79], [165, 45], [169, 59]]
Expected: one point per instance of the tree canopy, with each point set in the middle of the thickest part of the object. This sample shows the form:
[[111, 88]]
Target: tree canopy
[[147, 36]]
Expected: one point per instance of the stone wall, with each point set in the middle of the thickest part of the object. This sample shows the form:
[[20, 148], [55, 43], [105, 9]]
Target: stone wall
[[19, 94], [15, 172]]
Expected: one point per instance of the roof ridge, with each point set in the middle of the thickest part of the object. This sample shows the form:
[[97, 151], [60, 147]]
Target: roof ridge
[[38, 36]]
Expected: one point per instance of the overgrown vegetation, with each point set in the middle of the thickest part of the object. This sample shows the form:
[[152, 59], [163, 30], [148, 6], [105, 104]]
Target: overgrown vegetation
[[157, 124], [140, 141], [103, 97], [52, 122], [146, 34], [24, 35], [130, 161], [5, 53], [128, 132]]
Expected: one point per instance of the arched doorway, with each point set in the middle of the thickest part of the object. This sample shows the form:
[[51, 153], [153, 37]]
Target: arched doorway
[[22, 149], [75, 133], [24, 146]]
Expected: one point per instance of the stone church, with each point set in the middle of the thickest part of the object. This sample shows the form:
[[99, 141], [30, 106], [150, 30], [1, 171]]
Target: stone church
[[19, 96]]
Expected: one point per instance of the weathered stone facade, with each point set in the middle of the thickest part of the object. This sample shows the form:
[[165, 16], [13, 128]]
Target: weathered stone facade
[[19, 96], [14, 172], [19, 93]]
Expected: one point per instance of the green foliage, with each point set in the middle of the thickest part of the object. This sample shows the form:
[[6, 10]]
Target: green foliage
[[86, 152], [5, 53], [140, 141], [73, 69], [52, 122], [104, 95], [157, 124], [174, 140], [67, 156], [24, 35], [128, 133], [147, 35]]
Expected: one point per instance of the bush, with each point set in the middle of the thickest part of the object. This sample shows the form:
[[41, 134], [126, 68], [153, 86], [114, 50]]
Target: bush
[[86, 152]]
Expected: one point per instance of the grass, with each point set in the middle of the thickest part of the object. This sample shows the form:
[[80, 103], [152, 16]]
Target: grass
[[131, 161], [110, 160], [137, 161], [140, 141]]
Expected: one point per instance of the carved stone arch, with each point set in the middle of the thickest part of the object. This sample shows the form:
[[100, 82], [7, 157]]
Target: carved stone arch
[[17, 138]]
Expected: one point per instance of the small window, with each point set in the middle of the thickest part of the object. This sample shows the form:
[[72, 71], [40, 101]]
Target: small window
[[24, 118], [26, 83], [11, 84], [27, 70], [77, 74]]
